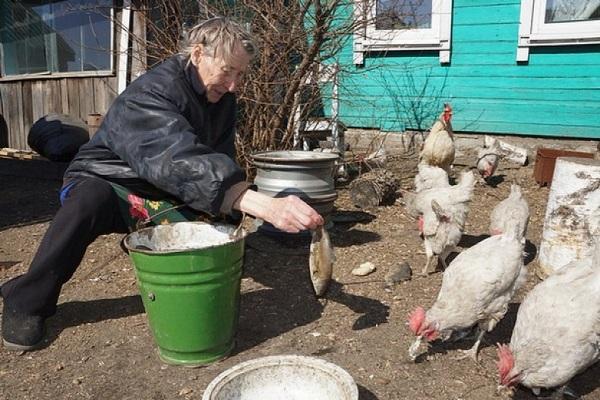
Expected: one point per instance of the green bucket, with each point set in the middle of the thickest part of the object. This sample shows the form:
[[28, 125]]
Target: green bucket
[[189, 277]]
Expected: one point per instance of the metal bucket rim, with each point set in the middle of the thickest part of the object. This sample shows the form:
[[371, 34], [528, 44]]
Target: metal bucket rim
[[126, 239], [296, 156]]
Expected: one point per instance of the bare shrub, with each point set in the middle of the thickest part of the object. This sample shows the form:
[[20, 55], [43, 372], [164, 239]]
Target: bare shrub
[[295, 39]]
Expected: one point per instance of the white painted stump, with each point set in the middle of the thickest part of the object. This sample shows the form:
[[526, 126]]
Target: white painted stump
[[573, 197]]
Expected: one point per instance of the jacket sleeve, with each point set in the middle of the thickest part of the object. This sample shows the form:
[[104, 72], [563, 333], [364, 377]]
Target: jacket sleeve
[[159, 144]]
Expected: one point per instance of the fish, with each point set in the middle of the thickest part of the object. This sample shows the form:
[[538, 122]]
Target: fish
[[239, 231], [321, 260]]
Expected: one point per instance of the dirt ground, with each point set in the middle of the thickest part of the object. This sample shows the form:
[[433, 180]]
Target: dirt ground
[[99, 345]]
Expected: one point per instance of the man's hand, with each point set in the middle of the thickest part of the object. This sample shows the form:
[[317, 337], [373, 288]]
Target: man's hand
[[289, 214]]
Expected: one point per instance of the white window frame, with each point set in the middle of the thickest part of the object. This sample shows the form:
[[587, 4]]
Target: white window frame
[[534, 31], [367, 38]]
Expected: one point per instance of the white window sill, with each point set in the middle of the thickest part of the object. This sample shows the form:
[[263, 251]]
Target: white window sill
[[57, 75], [443, 48], [526, 43]]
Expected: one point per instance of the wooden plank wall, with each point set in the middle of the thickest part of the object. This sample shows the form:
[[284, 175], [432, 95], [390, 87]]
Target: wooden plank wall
[[24, 102], [556, 93]]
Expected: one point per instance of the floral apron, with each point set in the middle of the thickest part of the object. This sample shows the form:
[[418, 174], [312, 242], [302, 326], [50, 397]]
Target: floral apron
[[139, 212]]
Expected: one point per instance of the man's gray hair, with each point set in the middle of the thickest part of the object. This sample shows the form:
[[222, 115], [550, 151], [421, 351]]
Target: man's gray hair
[[219, 37]]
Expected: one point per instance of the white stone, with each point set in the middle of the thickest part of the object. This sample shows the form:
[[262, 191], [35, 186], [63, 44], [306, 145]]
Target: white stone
[[364, 269]]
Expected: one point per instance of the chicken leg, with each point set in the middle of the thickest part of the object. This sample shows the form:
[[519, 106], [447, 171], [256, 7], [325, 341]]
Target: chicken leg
[[430, 265], [473, 351], [431, 262], [442, 257], [564, 392]]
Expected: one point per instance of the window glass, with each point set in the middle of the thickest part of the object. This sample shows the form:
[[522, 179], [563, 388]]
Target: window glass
[[403, 14], [23, 38], [67, 24], [55, 36], [572, 10]]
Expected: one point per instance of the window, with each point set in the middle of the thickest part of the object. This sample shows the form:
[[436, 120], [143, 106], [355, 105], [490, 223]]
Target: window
[[402, 15], [403, 25], [557, 22], [55, 37]]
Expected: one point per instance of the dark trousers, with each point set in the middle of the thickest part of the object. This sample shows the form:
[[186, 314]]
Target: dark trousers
[[90, 209]]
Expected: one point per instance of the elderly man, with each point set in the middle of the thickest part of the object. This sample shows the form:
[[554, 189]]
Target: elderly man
[[164, 153]]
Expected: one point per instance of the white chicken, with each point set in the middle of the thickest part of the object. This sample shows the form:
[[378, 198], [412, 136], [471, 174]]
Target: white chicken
[[557, 332], [510, 211], [427, 177], [438, 148], [488, 158], [442, 213], [430, 177], [476, 289]]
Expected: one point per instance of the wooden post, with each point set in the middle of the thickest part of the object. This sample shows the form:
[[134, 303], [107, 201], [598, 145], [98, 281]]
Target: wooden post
[[123, 47], [93, 122], [138, 45]]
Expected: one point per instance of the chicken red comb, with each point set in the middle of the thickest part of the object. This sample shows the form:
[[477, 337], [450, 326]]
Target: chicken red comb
[[506, 361], [416, 319], [447, 112]]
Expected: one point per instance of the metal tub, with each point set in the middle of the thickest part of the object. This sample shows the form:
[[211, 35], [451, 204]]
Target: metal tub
[[306, 174]]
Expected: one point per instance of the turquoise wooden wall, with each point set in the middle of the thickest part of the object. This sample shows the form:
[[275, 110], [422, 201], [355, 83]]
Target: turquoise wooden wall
[[557, 93]]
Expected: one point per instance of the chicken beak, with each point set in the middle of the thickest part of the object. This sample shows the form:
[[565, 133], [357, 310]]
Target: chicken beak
[[504, 392], [414, 348]]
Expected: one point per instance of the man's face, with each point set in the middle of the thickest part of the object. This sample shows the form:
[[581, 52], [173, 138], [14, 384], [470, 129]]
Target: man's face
[[220, 76]]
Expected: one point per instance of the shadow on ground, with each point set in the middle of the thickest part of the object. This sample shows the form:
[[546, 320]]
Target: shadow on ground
[[286, 299], [75, 313], [27, 200], [365, 394]]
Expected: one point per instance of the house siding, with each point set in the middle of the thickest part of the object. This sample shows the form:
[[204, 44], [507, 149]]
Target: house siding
[[556, 93], [24, 102]]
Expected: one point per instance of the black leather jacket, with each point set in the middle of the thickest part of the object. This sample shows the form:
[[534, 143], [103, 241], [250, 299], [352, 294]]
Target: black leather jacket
[[162, 133]]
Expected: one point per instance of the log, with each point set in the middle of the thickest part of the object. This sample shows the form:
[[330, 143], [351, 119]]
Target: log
[[573, 198], [374, 188]]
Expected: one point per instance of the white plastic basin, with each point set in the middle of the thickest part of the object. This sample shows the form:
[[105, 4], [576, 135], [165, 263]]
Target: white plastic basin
[[287, 377]]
